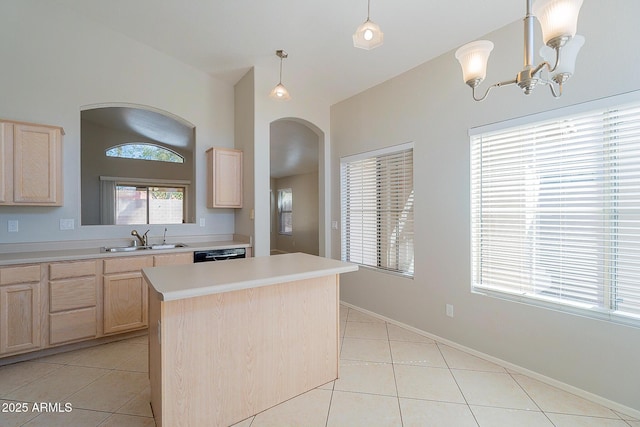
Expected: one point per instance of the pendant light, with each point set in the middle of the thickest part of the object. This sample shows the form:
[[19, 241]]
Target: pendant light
[[280, 92], [559, 21], [368, 35]]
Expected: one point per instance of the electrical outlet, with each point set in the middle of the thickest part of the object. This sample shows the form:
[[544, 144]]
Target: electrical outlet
[[334, 225], [202, 222], [12, 226], [449, 310]]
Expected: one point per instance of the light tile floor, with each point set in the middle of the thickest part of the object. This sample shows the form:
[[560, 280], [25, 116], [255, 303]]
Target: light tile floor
[[388, 377]]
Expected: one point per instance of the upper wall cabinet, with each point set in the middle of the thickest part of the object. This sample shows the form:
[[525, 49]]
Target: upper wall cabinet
[[30, 164], [224, 178]]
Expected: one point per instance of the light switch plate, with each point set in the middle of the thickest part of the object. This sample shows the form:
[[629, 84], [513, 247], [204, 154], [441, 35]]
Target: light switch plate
[[67, 224]]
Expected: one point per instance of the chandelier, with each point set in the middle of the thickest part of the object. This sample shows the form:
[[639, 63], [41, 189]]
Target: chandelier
[[558, 20]]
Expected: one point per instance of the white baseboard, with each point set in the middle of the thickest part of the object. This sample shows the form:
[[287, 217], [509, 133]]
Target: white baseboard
[[547, 380]]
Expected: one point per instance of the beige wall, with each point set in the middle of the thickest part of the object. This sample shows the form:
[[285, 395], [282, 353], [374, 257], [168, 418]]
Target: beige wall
[[431, 106], [244, 118], [55, 62], [304, 189]]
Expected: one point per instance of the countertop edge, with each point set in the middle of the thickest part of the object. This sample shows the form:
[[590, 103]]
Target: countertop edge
[[36, 257], [248, 284], [221, 277]]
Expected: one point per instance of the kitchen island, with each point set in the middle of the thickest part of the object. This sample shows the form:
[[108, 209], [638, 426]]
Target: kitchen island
[[230, 339]]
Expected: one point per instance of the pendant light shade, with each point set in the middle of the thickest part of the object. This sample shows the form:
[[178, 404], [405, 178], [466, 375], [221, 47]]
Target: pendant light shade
[[368, 35], [280, 92]]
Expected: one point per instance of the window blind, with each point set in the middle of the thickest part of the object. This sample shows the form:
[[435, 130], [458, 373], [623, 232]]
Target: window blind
[[377, 209], [555, 212], [285, 211]]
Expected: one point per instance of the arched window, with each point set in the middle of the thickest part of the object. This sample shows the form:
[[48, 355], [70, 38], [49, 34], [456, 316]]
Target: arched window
[[144, 151]]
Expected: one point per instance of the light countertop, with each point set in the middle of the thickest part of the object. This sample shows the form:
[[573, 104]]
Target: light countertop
[[193, 280], [54, 255]]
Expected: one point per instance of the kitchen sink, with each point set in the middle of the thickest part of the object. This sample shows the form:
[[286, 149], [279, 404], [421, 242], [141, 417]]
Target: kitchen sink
[[141, 248], [168, 246], [124, 248]]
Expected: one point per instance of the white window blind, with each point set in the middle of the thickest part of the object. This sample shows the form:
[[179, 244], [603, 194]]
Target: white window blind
[[285, 211], [377, 209], [555, 212]]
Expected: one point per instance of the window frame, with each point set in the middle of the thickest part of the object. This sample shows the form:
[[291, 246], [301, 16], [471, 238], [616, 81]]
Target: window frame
[[282, 212], [109, 186], [179, 158], [606, 308]]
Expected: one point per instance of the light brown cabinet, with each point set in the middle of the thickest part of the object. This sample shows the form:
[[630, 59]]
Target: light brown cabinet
[[58, 303], [30, 164], [124, 294], [73, 301], [224, 178], [173, 259], [20, 307]]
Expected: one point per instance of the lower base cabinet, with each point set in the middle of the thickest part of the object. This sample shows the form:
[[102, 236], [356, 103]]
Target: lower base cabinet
[[125, 302], [20, 317], [58, 303]]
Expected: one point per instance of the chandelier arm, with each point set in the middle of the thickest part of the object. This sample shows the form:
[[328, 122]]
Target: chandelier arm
[[549, 67], [555, 94], [499, 84]]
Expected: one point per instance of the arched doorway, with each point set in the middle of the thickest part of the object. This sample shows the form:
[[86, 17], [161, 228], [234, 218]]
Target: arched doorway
[[297, 193]]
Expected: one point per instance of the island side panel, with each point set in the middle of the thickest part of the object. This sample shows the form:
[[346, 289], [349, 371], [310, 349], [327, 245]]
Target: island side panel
[[228, 356], [155, 363]]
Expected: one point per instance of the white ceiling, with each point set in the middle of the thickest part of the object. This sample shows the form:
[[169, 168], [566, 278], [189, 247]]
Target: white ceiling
[[227, 37]]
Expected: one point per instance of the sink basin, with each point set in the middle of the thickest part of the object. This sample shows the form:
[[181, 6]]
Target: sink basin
[[140, 248], [168, 246], [125, 248]]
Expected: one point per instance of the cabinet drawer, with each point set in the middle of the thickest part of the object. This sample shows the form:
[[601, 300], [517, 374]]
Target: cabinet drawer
[[124, 264], [71, 294], [21, 274], [173, 259], [68, 270], [72, 325]]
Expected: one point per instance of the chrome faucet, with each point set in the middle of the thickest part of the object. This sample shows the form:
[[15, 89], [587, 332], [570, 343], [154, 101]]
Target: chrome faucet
[[143, 238]]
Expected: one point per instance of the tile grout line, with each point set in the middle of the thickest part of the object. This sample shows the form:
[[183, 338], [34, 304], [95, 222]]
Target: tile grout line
[[446, 362], [393, 368]]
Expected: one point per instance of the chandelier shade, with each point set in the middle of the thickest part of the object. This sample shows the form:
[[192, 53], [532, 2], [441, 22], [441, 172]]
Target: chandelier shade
[[558, 20], [473, 58], [567, 66]]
